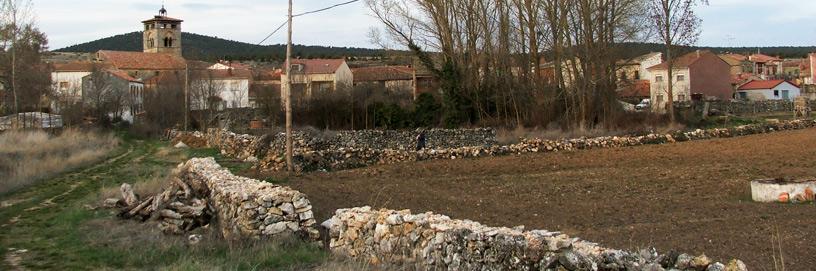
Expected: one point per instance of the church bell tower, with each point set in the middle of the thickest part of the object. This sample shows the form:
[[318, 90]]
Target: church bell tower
[[162, 34]]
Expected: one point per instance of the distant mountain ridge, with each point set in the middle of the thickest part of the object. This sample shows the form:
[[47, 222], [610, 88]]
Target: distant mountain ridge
[[201, 47]]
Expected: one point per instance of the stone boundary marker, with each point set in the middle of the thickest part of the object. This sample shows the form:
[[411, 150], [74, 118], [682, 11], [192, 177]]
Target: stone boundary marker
[[344, 151], [201, 190], [783, 191], [435, 242]]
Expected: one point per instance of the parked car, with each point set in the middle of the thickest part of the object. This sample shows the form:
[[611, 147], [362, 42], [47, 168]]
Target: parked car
[[643, 105]]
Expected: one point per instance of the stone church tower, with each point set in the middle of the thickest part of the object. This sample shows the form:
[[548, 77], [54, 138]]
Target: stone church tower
[[162, 34]]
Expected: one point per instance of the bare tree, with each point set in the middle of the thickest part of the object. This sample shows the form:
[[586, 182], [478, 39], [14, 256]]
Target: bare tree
[[205, 94], [22, 46], [489, 55], [98, 92], [675, 24]]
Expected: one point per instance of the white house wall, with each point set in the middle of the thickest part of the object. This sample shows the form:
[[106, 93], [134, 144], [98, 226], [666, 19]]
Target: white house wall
[[236, 93], [768, 94], [72, 79], [680, 89], [655, 60]]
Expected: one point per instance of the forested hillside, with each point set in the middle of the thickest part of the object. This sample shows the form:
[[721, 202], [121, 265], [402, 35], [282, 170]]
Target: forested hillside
[[202, 47]]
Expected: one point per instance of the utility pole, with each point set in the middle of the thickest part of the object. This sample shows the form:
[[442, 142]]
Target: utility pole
[[289, 162]]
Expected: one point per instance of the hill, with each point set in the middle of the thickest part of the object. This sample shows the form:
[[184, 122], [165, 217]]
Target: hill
[[200, 47]]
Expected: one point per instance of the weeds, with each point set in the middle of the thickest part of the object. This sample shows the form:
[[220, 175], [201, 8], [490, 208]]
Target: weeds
[[27, 157]]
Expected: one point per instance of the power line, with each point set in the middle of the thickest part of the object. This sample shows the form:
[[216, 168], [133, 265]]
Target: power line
[[326, 8], [306, 13]]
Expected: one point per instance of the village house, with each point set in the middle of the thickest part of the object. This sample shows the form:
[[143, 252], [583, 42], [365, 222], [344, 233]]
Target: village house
[[762, 90], [633, 77], [737, 62], [397, 79], [232, 83], [765, 66], [66, 80], [126, 91], [701, 73], [638, 68], [265, 87], [310, 77]]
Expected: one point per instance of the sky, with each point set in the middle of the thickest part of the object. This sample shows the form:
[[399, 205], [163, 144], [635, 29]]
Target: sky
[[748, 23]]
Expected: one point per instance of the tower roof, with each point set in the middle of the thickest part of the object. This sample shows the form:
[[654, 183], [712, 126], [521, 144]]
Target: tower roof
[[162, 17]]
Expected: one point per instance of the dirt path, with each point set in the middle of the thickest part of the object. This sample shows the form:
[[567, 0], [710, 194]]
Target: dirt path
[[29, 208], [692, 197]]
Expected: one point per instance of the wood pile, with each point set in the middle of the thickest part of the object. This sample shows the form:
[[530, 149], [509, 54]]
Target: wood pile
[[201, 192]]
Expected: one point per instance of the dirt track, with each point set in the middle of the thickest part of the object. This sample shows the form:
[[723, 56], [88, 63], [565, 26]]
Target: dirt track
[[692, 197]]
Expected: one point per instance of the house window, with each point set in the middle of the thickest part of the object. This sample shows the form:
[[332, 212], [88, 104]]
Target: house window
[[173, 26], [681, 78], [776, 93], [681, 98], [659, 98], [64, 85], [637, 75], [659, 78]]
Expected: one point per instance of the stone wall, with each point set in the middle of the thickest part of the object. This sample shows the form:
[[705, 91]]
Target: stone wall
[[250, 208], [435, 242], [342, 151], [200, 190]]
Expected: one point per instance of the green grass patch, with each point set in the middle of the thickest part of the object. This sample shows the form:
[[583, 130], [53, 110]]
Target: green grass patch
[[56, 222]]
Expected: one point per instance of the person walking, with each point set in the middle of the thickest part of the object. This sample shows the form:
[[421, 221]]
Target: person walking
[[420, 140]]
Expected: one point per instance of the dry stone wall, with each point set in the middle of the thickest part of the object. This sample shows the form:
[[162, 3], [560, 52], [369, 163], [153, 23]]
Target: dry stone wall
[[247, 207], [200, 190], [344, 151], [436, 242]]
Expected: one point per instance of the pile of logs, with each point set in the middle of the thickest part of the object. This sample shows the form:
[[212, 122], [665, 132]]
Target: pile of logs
[[181, 207]]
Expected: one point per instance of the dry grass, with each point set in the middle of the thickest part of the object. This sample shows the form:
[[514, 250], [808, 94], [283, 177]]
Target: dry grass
[[29, 156]]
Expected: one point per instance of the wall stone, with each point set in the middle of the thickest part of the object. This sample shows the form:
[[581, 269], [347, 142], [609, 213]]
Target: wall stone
[[200, 190], [436, 242], [250, 208], [348, 150]]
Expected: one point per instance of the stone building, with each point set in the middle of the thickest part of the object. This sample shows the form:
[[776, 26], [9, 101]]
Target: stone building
[[162, 34]]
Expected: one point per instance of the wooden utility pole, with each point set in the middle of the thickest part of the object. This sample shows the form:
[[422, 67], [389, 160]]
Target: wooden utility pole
[[289, 163]]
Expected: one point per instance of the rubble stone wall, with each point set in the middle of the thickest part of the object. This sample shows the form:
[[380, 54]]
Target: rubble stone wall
[[250, 208], [436, 242], [313, 153]]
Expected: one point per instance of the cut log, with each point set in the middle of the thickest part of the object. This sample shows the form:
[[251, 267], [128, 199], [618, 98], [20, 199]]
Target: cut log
[[128, 196], [133, 212]]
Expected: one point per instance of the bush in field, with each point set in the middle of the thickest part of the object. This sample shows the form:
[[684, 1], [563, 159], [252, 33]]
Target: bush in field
[[29, 156]]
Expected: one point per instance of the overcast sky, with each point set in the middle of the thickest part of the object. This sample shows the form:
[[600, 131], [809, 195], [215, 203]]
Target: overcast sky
[[725, 22]]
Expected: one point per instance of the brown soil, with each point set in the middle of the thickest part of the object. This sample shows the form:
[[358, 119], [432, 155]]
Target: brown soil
[[692, 197]]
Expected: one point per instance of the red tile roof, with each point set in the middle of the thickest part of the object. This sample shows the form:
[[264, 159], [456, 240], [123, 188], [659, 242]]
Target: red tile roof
[[267, 75], [738, 57], [226, 74], [760, 58], [123, 75], [319, 66], [142, 61], [685, 61], [763, 84], [159, 18], [639, 88], [73, 67], [383, 73], [742, 78]]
